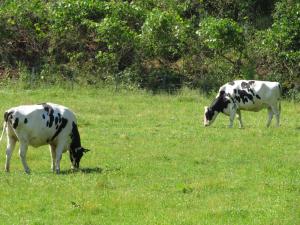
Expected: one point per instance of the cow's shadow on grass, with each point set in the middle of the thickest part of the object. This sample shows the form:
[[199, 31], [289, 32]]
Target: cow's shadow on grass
[[95, 170]]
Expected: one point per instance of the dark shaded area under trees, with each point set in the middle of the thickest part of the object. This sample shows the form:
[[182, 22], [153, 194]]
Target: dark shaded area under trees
[[157, 45]]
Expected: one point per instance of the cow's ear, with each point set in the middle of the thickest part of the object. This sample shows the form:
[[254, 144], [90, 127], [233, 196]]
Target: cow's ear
[[85, 150]]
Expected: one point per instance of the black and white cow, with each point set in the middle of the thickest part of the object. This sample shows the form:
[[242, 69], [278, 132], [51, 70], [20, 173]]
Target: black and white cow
[[246, 95], [42, 124]]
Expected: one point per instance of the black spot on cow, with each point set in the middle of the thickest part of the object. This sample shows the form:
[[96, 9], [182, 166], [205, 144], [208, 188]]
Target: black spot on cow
[[231, 83], [59, 117], [257, 96], [56, 121], [75, 137], [237, 98], [50, 111], [209, 114], [15, 123], [251, 82], [220, 103], [43, 116], [76, 151], [245, 85], [245, 96], [25, 120], [61, 126], [51, 119]]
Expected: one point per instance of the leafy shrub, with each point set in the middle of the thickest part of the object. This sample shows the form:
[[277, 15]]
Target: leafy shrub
[[163, 35], [279, 46], [24, 29], [95, 35], [221, 35], [284, 36]]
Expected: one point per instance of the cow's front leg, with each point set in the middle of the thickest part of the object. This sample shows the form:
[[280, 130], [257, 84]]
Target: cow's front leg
[[59, 150], [53, 157], [239, 117], [231, 118], [22, 153], [11, 143]]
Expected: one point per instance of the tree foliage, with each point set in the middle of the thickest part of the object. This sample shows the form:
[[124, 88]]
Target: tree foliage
[[150, 43]]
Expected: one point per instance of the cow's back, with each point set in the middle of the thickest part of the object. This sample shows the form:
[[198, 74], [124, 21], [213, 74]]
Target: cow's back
[[268, 91], [252, 95], [42, 124]]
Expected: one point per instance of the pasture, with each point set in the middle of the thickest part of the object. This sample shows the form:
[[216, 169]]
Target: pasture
[[153, 162]]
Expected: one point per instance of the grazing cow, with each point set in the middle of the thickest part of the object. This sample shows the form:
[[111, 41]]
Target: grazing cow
[[246, 95], [43, 124]]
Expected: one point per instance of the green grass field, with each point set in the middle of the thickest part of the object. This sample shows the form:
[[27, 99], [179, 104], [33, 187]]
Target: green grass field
[[153, 162]]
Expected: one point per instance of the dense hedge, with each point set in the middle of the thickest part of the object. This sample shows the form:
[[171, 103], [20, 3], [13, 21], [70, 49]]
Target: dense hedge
[[149, 43]]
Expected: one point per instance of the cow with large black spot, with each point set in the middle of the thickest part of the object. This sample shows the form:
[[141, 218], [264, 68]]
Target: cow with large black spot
[[43, 124], [248, 95]]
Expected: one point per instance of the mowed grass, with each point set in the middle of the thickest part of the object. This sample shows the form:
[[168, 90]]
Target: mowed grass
[[153, 162]]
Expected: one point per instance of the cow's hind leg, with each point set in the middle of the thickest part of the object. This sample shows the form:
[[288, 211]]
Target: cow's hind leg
[[11, 143], [270, 113], [59, 150], [22, 153], [276, 111], [53, 156], [239, 117]]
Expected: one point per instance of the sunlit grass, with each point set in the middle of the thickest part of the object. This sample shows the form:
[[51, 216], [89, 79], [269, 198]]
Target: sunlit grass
[[153, 162]]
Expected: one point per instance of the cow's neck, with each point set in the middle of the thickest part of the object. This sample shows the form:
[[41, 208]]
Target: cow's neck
[[220, 103], [75, 137]]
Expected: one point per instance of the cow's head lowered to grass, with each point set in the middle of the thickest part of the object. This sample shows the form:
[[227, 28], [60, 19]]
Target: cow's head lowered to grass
[[43, 124], [209, 116], [76, 150], [220, 104]]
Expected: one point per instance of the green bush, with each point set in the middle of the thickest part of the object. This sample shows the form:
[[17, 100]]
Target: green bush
[[163, 35], [150, 44], [24, 36], [221, 35], [279, 46]]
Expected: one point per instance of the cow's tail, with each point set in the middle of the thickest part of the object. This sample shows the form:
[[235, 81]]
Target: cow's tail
[[280, 96], [7, 114], [3, 130]]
